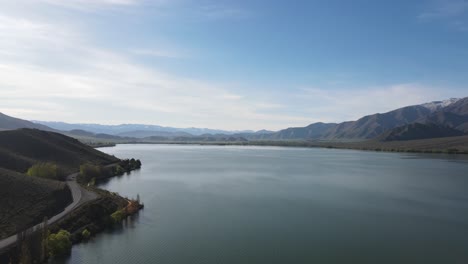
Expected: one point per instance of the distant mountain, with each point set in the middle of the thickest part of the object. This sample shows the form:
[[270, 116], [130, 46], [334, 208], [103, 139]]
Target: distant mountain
[[420, 131], [127, 129], [452, 113], [11, 123], [438, 105], [374, 125], [144, 134], [80, 133], [313, 131], [460, 107]]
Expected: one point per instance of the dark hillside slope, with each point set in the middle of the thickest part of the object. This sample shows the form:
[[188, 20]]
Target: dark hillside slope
[[10, 123], [373, 125], [459, 122], [25, 200], [420, 131], [366, 127], [20, 149]]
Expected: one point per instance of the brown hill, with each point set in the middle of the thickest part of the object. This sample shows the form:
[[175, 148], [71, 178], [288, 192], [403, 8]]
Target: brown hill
[[20, 149], [25, 200]]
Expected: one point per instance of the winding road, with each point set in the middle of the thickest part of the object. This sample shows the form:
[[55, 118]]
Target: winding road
[[80, 196]]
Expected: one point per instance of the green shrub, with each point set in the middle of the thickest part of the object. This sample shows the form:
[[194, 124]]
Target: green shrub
[[86, 234], [59, 244], [118, 216]]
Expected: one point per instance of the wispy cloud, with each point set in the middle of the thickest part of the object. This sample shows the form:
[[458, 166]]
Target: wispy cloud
[[452, 12], [55, 70], [445, 9], [59, 74], [163, 53], [342, 104], [90, 4], [218, 11]]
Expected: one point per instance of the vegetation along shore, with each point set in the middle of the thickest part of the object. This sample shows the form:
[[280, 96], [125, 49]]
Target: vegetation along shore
[[64, 206]]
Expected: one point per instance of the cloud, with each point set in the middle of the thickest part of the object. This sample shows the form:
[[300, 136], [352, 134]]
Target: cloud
[[345, 105], [90, 4], [54, 72], [217, 11], [163, 53], [445, 9], [452, 12]]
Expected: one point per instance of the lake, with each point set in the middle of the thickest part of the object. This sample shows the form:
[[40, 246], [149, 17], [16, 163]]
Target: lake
[[232, 204]]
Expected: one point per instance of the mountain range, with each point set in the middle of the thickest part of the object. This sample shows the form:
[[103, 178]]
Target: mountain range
[[136, 130], [452, 113], [440, 118]]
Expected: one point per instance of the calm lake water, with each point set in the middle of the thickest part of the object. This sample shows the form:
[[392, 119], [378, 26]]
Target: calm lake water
[[228, 204]]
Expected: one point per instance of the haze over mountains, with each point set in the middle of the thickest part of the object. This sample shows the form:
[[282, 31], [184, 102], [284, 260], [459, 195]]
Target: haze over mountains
[[136, 130], [442, 118]]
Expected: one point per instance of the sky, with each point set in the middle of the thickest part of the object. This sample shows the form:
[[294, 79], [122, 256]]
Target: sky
[[235, 65]]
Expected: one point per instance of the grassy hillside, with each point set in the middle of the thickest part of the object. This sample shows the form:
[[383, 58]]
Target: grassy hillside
[[20, 149], [25, 200]]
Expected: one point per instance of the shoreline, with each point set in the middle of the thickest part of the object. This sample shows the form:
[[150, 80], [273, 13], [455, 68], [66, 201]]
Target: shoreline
[[92, 214], [376, 146]]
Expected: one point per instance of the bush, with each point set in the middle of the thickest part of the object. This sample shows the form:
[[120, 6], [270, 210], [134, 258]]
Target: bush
[[118, 216], [86, 234], [47, 171], [59, 244]]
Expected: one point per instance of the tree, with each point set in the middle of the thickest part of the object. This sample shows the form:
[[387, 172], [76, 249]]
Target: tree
[[59, 244], [89, 171]]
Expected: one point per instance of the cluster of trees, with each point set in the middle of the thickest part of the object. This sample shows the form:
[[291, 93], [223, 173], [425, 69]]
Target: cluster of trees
[[89, 173], [31, 245], [35, 246], [47, 170], [130, 164], [59, 244]]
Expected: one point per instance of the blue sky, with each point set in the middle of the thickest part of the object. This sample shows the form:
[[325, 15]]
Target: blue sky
[[228, 64]]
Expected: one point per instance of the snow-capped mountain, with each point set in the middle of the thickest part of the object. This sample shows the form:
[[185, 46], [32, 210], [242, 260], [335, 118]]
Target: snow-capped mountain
[[437, 105]]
